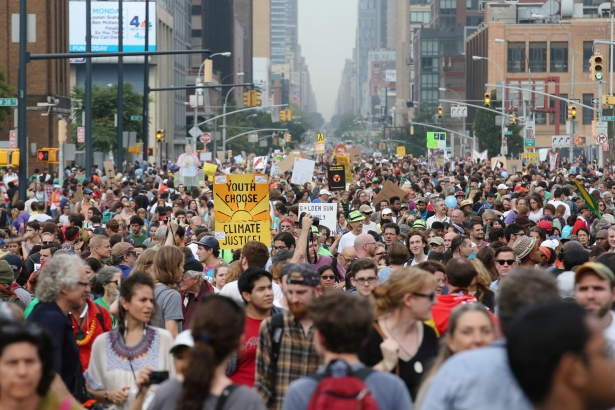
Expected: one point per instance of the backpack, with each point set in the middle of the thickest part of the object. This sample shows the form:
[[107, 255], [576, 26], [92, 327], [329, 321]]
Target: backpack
[[107, 215], [340, 393], [277, 331]]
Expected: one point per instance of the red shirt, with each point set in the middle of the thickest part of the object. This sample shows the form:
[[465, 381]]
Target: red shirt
[[246, 365], [94, 313]]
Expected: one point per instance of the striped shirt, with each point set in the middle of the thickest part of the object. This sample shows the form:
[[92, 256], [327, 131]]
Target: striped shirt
[[298, 358]]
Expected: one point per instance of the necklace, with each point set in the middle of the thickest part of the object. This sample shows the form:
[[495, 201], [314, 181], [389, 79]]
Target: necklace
[[398, 343]]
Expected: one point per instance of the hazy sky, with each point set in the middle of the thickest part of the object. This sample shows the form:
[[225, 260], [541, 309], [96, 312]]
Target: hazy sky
[[327, 31]]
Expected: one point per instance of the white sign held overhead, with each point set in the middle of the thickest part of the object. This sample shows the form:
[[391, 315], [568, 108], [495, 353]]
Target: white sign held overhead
[[326, 213], [560, 141], [303, 171]]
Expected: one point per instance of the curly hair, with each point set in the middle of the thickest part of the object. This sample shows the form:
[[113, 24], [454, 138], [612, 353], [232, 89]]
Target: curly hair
[[59, 272]]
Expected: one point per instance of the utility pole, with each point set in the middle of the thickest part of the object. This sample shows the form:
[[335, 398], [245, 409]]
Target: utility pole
[[22, 135], [120, 88], [145, 130], [88, 90]]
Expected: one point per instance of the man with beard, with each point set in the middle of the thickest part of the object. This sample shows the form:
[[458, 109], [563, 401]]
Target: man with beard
[[602, 239], [286, 349], [477, 234], [421, 207], [593, 290]]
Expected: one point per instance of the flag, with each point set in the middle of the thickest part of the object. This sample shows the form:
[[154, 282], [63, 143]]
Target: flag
[[589, 200]]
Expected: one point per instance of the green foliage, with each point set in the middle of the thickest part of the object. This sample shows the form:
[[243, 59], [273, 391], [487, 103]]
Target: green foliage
[[416, 144], [489, 135], [104, 108], [6, 91]]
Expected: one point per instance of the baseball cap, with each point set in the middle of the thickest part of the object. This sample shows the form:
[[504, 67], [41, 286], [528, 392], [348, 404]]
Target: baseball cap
[[387, 211], [436, 240], [460, 193], [182, 339], [121, 248], [546, 225], [300, 274], [15, 262], [421, 199], [539, 189], [366, 209], [87, 191], [502, 186], [597, 268], [324, 192], [210, 242]]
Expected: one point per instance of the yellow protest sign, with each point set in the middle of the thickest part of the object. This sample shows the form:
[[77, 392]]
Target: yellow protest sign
[[531, 157], [401, 151], [241, 210], [210, 170], [345, 161]]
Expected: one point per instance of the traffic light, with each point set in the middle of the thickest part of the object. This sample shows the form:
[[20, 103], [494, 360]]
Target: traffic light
[[287, 137], [579, 141], [596, 66], [487, 100], [49, 155], [247, 99], [572, 112], [150, 151], [283, 115], [256, 99], [289, 115], [62, 131], [160, 136], [15, 158], [440, 112], [513, 120]]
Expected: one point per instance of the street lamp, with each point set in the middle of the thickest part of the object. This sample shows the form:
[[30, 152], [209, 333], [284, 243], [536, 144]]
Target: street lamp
[[502, 108], [443, 89], [224, 113]]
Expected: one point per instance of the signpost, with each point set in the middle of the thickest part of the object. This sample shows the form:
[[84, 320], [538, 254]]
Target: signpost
[[459, 111], [136, 118], [205, 137], [530, 143], [80, 134], [12, 139], [608, 117], [601, 139]]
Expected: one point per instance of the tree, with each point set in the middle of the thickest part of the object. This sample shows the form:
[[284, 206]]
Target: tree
[[489, 135], [6, 91], [416, 144], [104, 108]]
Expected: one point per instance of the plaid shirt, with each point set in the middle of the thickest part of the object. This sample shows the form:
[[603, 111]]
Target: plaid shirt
[[298, 358], [48, 192]]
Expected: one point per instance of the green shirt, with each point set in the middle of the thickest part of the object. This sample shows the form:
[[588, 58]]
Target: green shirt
[[100, 301], [138, 239], [31, 307]]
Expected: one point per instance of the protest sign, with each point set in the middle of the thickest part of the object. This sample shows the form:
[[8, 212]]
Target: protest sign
[[238, 159], [326, 213], [345, 161], [109, 170], [241, 207], [221, 157], [287, 163], [303, 171], [336, 176], [355, 154], [259, 163], [401, 151], [389, 190], [209, 170]]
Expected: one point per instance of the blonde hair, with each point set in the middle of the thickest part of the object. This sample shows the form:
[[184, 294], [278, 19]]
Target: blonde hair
[[390, 294], [523, 210], [484, 277], [234, 270], [166, 261]]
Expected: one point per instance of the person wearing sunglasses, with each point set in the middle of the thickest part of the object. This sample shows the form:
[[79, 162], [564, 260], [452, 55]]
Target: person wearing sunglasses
[[329, 278], [403, 303], [505, 262]]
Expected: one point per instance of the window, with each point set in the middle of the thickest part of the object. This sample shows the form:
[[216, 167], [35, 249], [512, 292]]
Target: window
[[196, 33], [447, 22], [448, 7], [472, 21], [419, 17], [563, 111], [196, 10], [588, 115], [516, 57], [559, 56], [538, 56], [469, 4], [430, 80], [429, 64], [587, 53], [429, 47], [540, 118], [429, 96]]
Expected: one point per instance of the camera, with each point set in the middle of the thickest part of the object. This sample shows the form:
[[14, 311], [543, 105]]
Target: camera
[[158, 377], [315, 220]]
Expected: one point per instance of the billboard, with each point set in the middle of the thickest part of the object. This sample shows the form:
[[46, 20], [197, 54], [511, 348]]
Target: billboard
[[105, 26]]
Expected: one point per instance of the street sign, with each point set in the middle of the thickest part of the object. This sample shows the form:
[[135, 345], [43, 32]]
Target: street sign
[[608, 117], [602, 127], [530, 142], [504, 150], [560, 141], [195, 132], [12, 139], [459, 111], [136, 118], [602, 139], [80, 134], [321, 137], [508, 133], [605, 147], [529, 125], [205, 137], [8, 102], [595, 101], [504, 141]]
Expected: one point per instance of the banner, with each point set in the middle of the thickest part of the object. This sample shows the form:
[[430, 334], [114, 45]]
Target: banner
[[401, 151], [479, 156], [553, 159], [345, 161], [336, 177], [241, 210], [355, 154], [326, 213], [589, 200], [303, 171]]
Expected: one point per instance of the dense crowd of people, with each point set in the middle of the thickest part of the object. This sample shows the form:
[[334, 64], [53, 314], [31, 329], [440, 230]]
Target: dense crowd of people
[[467, 287]]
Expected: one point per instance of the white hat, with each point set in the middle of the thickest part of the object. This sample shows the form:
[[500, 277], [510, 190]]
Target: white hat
[[387, 211], [182, 339], [324, 192], [502, 186], [550, 243]]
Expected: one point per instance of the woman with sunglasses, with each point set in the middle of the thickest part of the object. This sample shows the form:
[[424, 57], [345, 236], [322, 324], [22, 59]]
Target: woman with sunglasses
[[329, 277], [108, 284], [27, 370], [403, 303]]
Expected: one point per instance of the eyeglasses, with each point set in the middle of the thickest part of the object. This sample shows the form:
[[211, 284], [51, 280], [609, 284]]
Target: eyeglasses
[[430, 296], [380, 253], [46, 242], [279, 248], [509, 262], [371, 280], [348, 260], [328, 277]]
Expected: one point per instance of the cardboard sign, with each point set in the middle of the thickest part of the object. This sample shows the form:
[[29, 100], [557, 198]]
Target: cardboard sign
[[355, 154], [109, 170], [327, 213], [221, 157], [389, 190], [401, 151], [241, 210], [303, 171], [287, 163], [210, 170], [345, 161], [336, 176]]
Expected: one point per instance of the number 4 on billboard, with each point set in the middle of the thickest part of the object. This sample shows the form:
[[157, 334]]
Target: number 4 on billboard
[[135, 21]]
